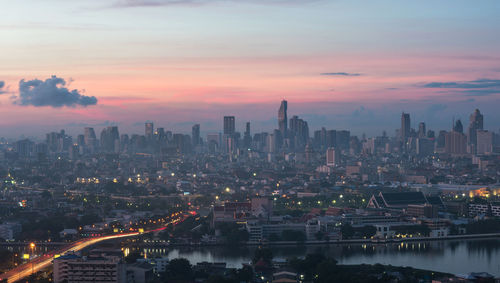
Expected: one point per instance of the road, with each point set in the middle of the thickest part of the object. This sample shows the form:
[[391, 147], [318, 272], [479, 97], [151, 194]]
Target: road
[[45, 260]]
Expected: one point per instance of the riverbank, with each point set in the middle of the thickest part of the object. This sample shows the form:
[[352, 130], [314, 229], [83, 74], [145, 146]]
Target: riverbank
[[333, 242]]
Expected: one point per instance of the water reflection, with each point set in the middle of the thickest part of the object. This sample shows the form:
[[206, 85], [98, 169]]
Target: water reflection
[[455, 257]]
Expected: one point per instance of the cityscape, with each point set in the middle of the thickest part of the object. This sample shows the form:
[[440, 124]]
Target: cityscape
[[143, 194], [249, 141]]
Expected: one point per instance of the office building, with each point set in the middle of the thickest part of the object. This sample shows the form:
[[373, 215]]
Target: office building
[[149, 130], [484, 141], [229, 125], [421, 130], [332, 157], [405, 127], [282, 119], [74, 268], [455, 143], [475, 123], [195, 135]]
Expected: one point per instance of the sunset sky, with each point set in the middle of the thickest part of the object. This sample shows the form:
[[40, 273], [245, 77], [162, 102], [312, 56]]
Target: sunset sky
[[340, 64]]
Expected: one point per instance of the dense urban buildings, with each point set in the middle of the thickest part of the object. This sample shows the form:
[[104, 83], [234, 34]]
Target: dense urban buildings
[[227, 188]]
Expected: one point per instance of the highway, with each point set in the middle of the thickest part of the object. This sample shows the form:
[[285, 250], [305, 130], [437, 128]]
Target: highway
[[45, 260]]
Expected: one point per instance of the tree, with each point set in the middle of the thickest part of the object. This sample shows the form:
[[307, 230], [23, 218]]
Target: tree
[[180, 268], [132, 257], [264, 254], [326, 271], [244, 274], [347, 231]]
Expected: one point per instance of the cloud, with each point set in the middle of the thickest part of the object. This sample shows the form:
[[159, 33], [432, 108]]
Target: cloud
[[480, 83], [341, 74], [479, 87], [480, 92], [2, 84], [51, 92]]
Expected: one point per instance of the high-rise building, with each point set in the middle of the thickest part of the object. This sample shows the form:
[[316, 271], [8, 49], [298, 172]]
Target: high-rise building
[[405, 126], [475, 123], [247, 137], [110, 139], [90, 140], [484, 142], [149, 130], [332, 156], [421, 130], [160, 134], [343, 138], [299, 132], [331, 138], [458, 127], [229, 125], [195, 135], [455, 143], [282, 119]]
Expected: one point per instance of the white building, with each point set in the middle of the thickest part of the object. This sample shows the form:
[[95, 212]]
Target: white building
[[77, 269]]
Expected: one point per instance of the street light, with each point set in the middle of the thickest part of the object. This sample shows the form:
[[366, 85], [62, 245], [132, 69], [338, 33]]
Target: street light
[[32, 246]]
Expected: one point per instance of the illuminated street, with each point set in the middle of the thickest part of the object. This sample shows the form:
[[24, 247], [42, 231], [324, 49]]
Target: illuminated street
[[44, 261]]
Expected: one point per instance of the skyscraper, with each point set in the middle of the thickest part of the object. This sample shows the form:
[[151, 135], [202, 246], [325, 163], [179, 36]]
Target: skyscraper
[[484, 142], [282, 119], [299, 132], [458, 127], [421, 130], [229, 125], [110, 139], [247, 137], [195, 135], [149, 130], [475, 123], [405, 126]]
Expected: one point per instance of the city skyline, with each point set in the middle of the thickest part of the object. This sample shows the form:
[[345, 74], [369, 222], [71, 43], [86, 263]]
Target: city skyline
[[228, 125], [183, 62]]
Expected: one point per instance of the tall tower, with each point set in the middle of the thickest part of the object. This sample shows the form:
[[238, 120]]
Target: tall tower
[[195, 134], [405, 126], [247, 137], [283, 119], [229, 125], [475, 124]]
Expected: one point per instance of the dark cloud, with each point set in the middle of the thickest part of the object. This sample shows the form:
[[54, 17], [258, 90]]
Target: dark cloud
[[341, 74], [480, 83], [51, 92], [479, 87], [2, 84]]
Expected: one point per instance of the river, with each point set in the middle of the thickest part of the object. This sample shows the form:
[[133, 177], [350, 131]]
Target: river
[[451, 256]]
